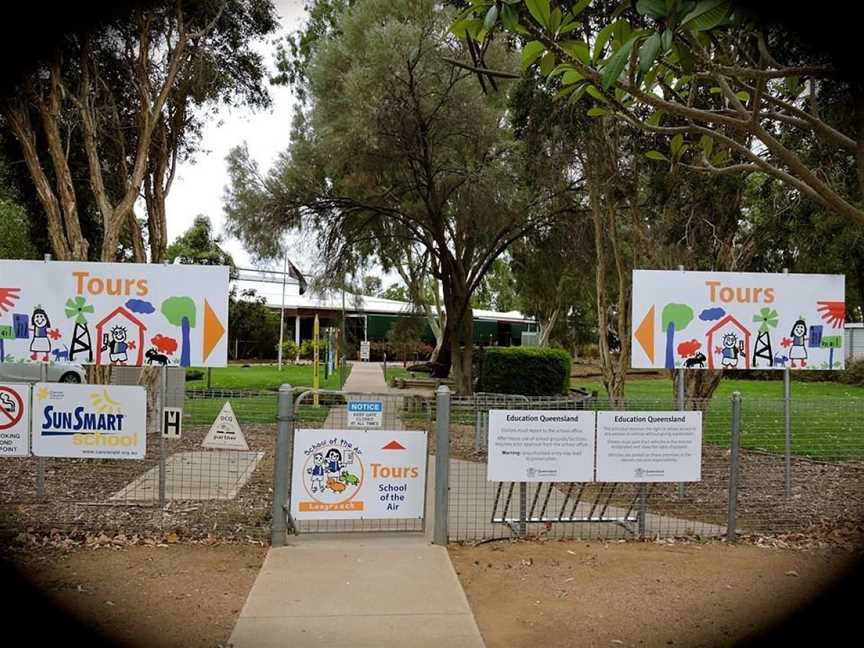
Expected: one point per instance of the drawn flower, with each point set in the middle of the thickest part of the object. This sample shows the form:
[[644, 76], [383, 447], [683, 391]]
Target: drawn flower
[[786, 342], [55, 334]]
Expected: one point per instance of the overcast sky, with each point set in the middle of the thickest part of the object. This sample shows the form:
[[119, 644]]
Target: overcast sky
[[198, 186]]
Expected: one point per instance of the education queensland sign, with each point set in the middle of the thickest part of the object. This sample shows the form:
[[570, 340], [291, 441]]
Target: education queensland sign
[[649, 446], [89, 421], [737, 320], [357, 474], [541, 445], [113, 313]]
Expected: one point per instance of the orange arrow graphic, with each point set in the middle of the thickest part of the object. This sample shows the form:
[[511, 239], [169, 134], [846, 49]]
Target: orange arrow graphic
[[644, 334], [213, 329]]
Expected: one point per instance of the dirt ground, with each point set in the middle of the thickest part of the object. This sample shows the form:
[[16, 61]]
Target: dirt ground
[[170, 596], [636, 594]]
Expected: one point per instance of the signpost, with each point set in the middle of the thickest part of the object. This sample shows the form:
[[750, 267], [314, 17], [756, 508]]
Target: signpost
[[316, 365], [355, 474], [541, 446], [364, 350], [14, 420], [89, 421]]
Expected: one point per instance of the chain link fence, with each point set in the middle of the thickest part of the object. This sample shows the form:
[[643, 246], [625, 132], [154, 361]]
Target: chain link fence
[[182, 486], [823, 484]]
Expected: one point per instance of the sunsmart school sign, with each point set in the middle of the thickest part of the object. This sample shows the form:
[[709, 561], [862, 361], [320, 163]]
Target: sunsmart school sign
[[89, 421]]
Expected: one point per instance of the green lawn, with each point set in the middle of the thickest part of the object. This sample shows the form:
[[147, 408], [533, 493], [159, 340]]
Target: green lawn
[[397, 371], [264, 377], [255, 409]]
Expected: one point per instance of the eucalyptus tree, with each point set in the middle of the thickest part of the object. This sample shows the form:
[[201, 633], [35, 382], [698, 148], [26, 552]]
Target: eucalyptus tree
[[120, 105], [396, 145]]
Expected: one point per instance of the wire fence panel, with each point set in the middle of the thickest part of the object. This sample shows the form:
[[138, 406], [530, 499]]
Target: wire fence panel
[[400, 412], [223, 492], [827, 482]]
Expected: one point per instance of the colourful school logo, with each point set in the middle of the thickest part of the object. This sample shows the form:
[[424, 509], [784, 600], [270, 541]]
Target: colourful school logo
[[332, 476]]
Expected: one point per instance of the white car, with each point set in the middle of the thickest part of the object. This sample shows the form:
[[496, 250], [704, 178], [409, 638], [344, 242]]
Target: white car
[[65, 372]]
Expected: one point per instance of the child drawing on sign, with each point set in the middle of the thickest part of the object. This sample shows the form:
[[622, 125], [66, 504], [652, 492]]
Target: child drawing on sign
[[41, 343], [798, 350], [118, 345], [731, 350], [317, 472], [334, 463]]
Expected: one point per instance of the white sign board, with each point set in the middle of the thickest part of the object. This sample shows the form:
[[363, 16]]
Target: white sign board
[[365, 414], [649, 446], [89, 421], [14, 420], [541, 445], [364, 350], [737, 320], [225, 433], [172, 422], [113, 313], [355, 474]]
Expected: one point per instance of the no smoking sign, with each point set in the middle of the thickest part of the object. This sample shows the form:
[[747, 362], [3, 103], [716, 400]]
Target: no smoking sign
[[14, 420]]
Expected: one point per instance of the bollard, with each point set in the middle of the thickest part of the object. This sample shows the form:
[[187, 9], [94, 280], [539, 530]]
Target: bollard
[[442, 463], [732, 519], [285, 418]]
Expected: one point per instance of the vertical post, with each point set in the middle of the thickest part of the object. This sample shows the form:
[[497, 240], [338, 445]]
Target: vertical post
[[297, 338], [643, 508], [316, 368], [732, 518], [787, 426], [40, 461], [343, 340], [209, 377], [679, 404], [163, 443], [523, 509], [284, 440], [442, 463], [282, 312]]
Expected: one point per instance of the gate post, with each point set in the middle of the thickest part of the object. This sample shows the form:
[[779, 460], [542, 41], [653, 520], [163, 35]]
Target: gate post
[[442, 463], [732, 518], [285, 417]]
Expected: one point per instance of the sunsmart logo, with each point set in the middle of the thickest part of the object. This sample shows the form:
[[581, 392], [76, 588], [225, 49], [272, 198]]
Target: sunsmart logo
[[101, 423]]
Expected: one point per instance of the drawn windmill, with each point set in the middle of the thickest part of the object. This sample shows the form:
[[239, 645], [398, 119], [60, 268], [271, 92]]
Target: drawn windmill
[[81, 336], [767, 319]]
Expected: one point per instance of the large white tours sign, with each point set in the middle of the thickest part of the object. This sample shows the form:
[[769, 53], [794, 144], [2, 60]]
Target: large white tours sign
[[358, 474], [113, 313], [737, 320]]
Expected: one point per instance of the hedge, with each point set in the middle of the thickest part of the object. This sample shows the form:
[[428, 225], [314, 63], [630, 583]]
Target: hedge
[[530, 371]]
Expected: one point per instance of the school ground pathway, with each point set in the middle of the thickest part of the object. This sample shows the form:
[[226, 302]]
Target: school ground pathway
[[357, 590], [366, 377]]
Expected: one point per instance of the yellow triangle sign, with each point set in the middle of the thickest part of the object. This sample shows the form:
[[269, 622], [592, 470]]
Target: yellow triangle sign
[[644, 334]]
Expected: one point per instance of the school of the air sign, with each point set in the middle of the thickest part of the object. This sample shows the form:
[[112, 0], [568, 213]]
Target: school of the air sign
[[737, 320], [113, 313]]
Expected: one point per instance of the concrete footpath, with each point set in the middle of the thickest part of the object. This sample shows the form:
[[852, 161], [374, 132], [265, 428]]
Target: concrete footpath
[[366, 378], [357, 590]]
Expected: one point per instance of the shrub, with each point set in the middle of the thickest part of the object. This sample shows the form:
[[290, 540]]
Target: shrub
[[194, 374], [529, 371], [854, 374], [289, 351]]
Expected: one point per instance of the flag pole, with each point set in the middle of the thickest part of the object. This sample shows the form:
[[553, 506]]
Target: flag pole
[[282, 311]]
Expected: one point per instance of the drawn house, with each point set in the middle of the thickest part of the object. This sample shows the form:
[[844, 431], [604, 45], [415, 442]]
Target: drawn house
[[715, 339], [135, 329]]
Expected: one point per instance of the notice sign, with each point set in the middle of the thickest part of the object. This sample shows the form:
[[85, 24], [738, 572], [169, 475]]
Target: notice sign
[[354, 474], [364, 350], [649, 446], [89, 421], [365, 414], [14, 420], [541, 445]]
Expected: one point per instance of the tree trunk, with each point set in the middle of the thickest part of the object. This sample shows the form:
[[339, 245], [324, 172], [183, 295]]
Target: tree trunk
[[444, 360], [699, 387]]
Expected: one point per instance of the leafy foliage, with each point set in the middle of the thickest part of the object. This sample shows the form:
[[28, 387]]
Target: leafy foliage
[[527, 371]]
